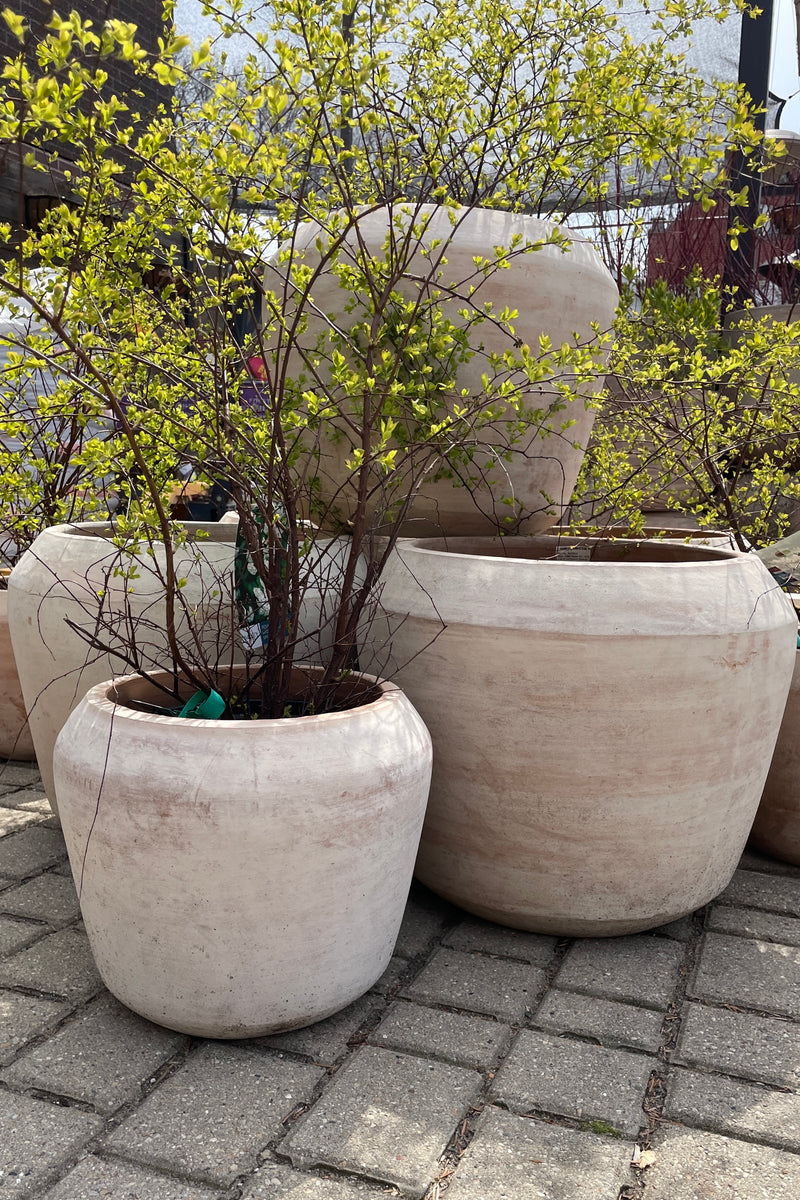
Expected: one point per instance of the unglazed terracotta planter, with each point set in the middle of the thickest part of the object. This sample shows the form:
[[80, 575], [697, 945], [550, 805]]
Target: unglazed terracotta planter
[[556, 293], [59, 578], [777, 825], [15, 737], [602, 729], [239, 878]]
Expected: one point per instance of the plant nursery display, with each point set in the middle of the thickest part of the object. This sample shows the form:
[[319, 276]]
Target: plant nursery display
[[346, 303]]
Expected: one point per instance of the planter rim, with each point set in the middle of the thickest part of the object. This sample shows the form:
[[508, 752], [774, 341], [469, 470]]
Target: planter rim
[[711, 556], [102, 529], [98, 697], [435, 580]]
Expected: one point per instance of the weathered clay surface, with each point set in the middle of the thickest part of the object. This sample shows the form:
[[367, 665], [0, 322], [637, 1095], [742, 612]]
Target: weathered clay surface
[[596, 724], [556, 293], [15, 738], [239, 878], [777, 824]]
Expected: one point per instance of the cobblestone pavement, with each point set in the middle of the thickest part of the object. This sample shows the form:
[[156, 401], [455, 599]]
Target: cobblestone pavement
[[487, 1064]]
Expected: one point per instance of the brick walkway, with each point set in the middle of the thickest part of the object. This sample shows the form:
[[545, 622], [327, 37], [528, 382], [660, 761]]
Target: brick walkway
[[487, 1064]]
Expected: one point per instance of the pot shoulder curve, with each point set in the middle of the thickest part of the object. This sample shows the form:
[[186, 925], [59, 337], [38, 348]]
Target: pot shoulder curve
[[718, 589]]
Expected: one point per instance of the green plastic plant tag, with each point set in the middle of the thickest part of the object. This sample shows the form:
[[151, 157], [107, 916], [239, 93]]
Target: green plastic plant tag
[[210, 706]]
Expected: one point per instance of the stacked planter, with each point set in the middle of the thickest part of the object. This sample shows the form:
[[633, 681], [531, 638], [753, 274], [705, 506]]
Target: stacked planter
[[559, 291]]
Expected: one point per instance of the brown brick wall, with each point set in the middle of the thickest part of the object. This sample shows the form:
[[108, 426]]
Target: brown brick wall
[[147, 15]]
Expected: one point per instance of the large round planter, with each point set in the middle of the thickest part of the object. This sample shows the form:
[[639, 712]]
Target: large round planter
[[15, 737], [777, 825], [602, 729], [58, 579], [253, 877], [560, 294]]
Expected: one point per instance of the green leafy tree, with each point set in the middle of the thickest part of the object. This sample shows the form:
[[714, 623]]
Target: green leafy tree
[[163, 255], [700, 418]]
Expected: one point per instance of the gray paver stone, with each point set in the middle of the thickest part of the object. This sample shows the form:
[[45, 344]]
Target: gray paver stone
[[695, 1165], [751, 922], [30, 798], [454, 1037], [211, 1118], [274, 1181], [50, 898], [680, 930], [36, 1140], [19, 774], [23, 1018], [101, 1057], [60, 963], [761, 1048], [387, 1116], [762, 975], [392, 977], [729, 1106], [757, 890], [31, 851], [641, 970], [424, 919], [575, 1079], [97, 1178], [755, 860], [519, 1158], [484, 985], [13, 819], [327, 1041], [15, 933], [484, 937], [612, 1023]]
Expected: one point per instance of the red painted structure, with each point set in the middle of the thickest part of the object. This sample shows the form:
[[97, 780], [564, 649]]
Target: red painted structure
[[695, 238]]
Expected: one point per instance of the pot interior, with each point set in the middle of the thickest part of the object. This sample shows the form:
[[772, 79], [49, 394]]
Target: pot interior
[[212, 531], [652, 532], [547, 547], [155, 692]]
